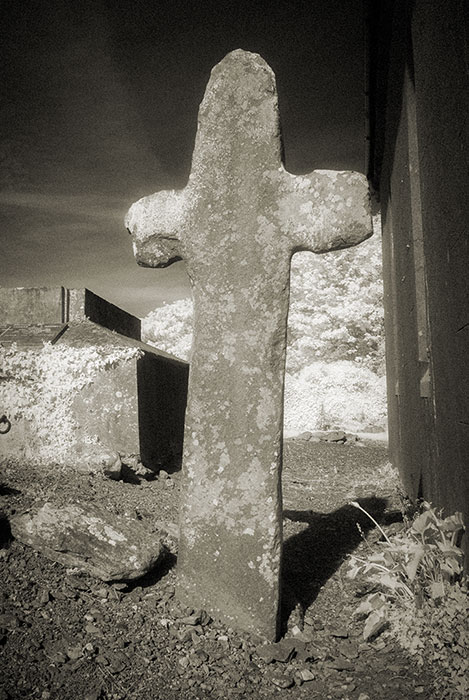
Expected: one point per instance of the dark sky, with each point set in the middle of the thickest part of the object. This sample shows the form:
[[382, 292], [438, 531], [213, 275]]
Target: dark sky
[[99, 108]]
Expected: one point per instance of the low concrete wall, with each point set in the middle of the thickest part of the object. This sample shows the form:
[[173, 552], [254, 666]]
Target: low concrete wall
[[107, 410], [134, 407], [31, 306], [53, 305]]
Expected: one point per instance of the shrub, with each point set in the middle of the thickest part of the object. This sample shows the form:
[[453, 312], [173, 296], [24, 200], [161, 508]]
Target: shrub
[[336, 307], [419, 593], [169, 328], [333, 395]]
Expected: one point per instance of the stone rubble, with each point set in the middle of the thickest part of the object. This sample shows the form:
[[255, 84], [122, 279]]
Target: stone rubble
[[334, 436], [131, 639]]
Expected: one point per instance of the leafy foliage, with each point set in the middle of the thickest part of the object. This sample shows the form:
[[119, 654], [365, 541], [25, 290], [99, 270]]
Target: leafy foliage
[[330, 395], [336, 307], [335, 356], [419, 593], [169, 328]]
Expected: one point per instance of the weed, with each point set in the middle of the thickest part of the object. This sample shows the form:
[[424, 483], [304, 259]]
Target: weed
[[420, 595]]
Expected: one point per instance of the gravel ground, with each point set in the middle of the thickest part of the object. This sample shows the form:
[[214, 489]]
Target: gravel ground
[[66, 635]]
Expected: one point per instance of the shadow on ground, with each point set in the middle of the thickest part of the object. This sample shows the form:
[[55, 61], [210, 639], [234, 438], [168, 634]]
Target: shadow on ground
[[162, 567], [8, 491], [5, 531], [130, 477], [312, 556]]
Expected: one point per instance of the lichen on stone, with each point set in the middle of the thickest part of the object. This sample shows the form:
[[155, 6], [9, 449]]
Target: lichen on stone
[[237, 224]]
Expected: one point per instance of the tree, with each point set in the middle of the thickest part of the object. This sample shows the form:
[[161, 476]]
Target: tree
[[336, 307], [169, 328]]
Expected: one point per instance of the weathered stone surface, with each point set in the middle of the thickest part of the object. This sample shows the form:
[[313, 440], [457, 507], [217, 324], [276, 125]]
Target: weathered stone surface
[[334, 436], [281, 651], [96, 459], [306, 675], [105, 545], [281, 680], [237, 224]]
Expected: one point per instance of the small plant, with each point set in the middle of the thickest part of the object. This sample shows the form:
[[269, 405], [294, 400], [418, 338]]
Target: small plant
[[419, 593]]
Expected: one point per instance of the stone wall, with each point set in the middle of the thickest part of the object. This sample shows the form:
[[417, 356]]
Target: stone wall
[[27, 306], [96, 385], [82, 303], [55, 305]]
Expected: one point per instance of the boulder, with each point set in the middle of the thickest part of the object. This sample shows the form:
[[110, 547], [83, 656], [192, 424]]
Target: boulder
[[334, 436], [107, 546], [111, 465], [97, 459]]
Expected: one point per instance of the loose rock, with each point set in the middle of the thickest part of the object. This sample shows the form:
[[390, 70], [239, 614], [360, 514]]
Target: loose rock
[[281, 651], [282, 681], [90, 538], [98, 460], [9, 622], [306, 675], [339, 632], [340, 664], [334, 436], [348, 649], [198, 618]]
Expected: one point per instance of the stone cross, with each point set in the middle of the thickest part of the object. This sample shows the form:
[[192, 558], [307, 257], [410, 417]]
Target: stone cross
[[236, 225]]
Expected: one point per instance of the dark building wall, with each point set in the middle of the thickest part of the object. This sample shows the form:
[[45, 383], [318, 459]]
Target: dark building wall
[[420, 155], [83, 303], [162, 398]]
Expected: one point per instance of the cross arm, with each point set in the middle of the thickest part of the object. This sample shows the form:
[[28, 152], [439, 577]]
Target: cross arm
[[157, 224], [325, 210]]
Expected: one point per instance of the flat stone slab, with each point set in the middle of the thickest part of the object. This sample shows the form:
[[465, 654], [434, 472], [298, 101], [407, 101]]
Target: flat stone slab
[[107, 546], [236, 225]]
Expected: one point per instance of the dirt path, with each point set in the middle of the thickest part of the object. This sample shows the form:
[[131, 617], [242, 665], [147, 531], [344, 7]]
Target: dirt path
[[69, 636]]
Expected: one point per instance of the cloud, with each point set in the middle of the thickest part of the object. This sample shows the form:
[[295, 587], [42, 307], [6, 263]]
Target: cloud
[[94, 206]]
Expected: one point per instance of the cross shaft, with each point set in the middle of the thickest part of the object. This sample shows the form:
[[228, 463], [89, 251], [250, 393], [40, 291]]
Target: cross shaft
[[236, 225]]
